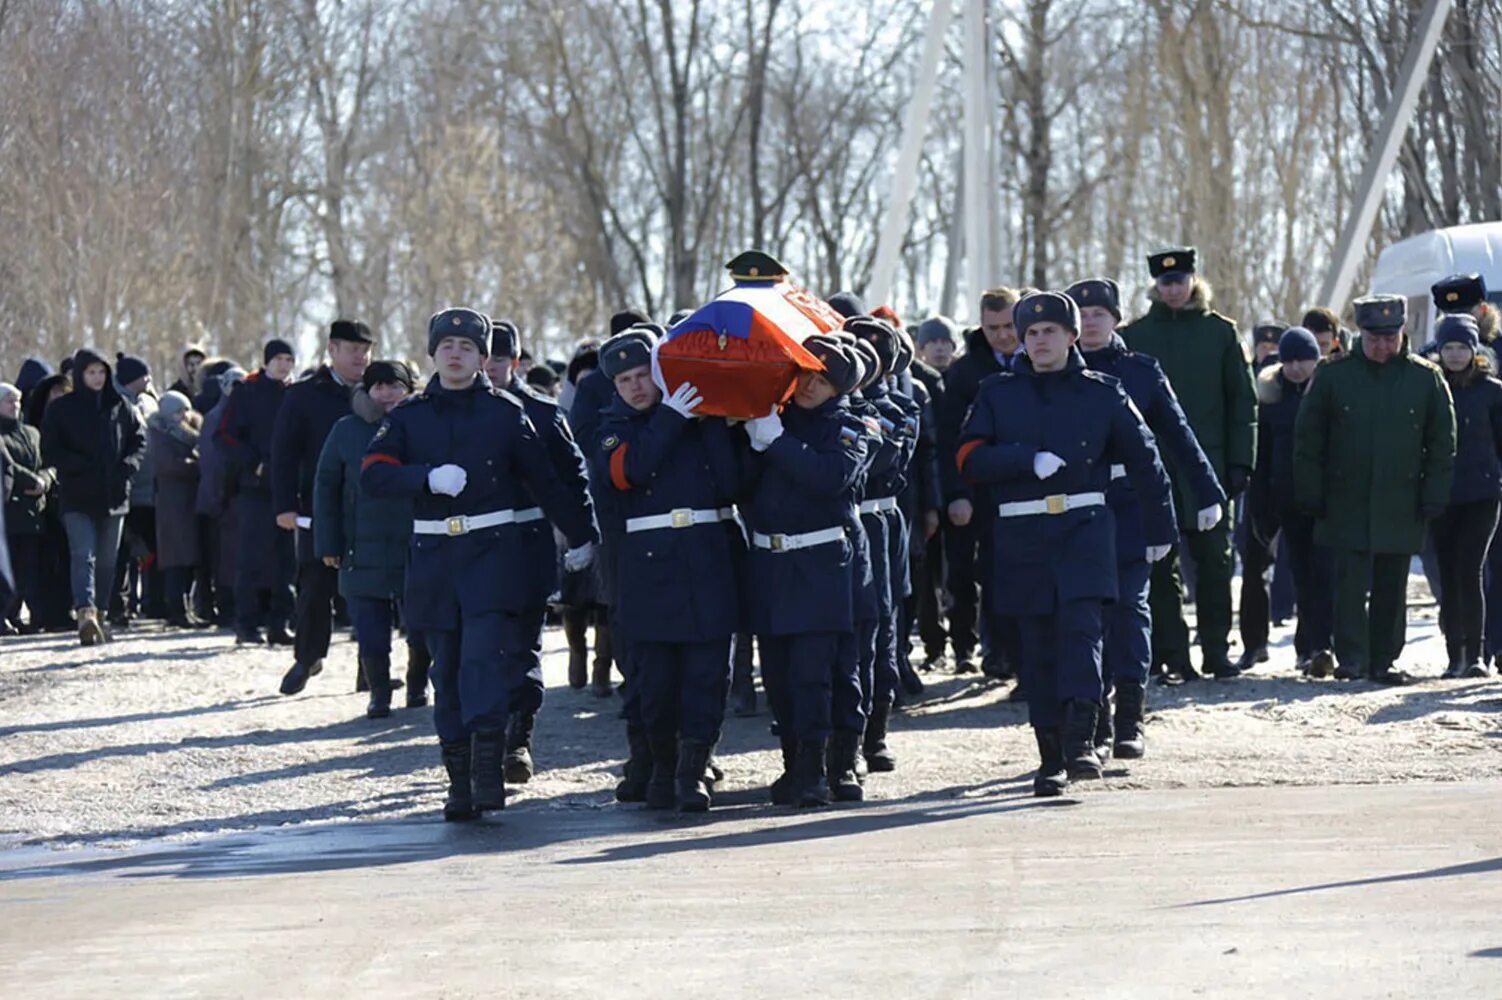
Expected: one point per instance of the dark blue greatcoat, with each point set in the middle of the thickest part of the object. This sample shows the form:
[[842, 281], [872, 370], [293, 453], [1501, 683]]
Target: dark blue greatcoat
[[1478, 437], [568, 463], [807, 481], [488, 434], [1086, 419], [1147, 387], [677, 584]]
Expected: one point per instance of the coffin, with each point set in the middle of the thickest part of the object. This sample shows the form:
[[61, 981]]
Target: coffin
[[743, 350]]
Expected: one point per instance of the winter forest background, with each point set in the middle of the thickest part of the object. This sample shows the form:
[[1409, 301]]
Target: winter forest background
[[225, 170]]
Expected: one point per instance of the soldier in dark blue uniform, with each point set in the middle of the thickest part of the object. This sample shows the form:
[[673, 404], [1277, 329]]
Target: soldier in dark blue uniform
[[675, 477], [267, 559], [801, 582], [542, 580], [1044, 437], [886, 532], [1128, 622], [475, 466]]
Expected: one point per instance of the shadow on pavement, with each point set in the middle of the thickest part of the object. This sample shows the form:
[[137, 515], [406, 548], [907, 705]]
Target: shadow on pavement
[[1490, 866]]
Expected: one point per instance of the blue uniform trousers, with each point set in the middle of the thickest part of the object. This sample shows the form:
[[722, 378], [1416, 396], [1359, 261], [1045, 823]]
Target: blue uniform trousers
[[473, 670], [526, 684], [373, 619], [1061, 656], [681, 686], [812, 683], [1128, 627]]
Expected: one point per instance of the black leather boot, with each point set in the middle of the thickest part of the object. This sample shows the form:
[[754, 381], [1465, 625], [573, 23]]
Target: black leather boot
[[1104, 732], [419, 660], [277, 635], [518, 764], [295, 679], [638, 769], [459, 807], [692, 791], [1079, 739], [1052, 777], [377, 673], [661, 793], [576, 631], [783, 791], [878, 756], [487, 751], [844, 786], [1131, 708], [808, 773]]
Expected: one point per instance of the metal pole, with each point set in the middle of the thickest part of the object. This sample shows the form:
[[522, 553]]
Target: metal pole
[[1404, 98], [977, 152], [905, 177]]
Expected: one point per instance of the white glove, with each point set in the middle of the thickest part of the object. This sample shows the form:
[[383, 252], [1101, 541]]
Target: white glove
[[1157, 552], [764, 430], [1208, 518], [447, 480], [1046, 463], [576, 559], [684, 400]]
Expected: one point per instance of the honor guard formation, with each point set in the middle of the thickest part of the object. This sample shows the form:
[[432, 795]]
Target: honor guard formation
[[806, 485]]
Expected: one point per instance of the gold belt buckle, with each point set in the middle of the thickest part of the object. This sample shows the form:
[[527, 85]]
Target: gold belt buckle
[[777, 542], [683, 518], [456, 525], [1056, 504]]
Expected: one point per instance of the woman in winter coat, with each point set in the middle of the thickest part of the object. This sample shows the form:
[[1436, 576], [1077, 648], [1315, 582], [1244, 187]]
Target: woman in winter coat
[[29, 483], [173, 434], [1463, 533], [52, 611], [366, 538], [96, 441]]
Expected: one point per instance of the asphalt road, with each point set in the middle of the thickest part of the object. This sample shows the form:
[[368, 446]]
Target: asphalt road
[[1355, 891]]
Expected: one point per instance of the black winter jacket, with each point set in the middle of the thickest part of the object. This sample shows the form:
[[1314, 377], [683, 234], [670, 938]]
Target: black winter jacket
[[961, 385], [96, 441], [309, 412]]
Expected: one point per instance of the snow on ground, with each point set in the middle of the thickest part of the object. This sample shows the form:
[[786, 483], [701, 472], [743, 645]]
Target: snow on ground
[[166, 734]]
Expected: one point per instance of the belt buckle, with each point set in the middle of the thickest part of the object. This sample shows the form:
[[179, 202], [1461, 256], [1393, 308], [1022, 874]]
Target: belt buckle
[[683, 517], [1056, 504], [456, 525], [779, 542]]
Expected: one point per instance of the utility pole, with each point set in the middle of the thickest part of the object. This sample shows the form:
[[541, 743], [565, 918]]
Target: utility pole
[[1395, 121]]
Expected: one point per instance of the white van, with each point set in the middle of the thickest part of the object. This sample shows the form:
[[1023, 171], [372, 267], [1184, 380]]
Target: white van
[[1410, 267]]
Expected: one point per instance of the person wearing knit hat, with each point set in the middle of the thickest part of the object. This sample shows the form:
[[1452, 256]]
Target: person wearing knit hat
[[131, 373], [802, 575], [936, 342], [1374, 494], [266, 560], [173, 439], [1463, 532], [482, 487], [1127, 657], [1044, 441], [1272, 512], [276, 348]]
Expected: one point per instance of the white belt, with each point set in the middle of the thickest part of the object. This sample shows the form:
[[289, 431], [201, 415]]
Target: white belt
[[305, 522], [682, 517], [789, 543], [463, 524], [1118, 472], [878, 505], [1059, 503]]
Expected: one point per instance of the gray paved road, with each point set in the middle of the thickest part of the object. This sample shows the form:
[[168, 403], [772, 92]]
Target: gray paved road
[[1271, 892]]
